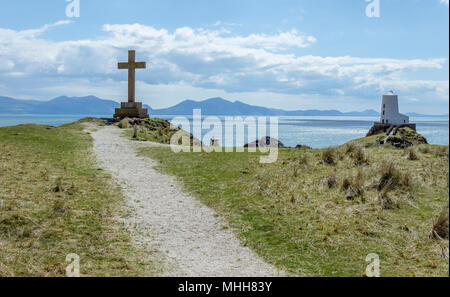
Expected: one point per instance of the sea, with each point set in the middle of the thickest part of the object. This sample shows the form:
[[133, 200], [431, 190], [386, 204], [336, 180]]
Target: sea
[[313, 131]]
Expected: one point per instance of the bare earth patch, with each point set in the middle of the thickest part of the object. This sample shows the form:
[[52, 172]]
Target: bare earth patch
[[190, 237]]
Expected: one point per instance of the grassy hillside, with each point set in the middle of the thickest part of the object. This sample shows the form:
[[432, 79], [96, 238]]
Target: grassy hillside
[[55, 201], [321, 212]]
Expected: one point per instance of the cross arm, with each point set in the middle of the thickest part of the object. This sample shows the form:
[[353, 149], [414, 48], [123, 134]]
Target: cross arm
[[140, 65], [123, 65]]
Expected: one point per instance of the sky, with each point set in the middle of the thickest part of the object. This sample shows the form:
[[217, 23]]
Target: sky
[[289, 54]]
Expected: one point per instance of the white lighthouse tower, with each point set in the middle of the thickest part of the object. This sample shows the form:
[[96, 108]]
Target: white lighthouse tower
[[391, 118], [389, 111]]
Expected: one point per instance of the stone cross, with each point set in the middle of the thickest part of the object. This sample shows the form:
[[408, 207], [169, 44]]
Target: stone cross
[[132, 65]]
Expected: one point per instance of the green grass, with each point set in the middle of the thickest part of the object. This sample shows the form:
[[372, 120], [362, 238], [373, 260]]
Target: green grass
[[55, 201], [300, 215]]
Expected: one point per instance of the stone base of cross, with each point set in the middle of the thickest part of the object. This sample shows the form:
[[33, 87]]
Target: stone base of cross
[[131, 109]]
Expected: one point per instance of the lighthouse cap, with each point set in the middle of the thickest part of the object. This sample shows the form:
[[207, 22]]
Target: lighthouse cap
[[390, 93]]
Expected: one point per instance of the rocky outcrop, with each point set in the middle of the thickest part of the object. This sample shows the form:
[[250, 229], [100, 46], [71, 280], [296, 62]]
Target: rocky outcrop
[[397, 142], [403, 138], [305, 147], [378, 128], [399, 136], [266, 142], [124, 124]]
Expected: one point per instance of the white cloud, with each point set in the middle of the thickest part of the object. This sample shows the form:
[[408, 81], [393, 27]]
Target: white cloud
[[212, 60], [6, 65], [444, 2]]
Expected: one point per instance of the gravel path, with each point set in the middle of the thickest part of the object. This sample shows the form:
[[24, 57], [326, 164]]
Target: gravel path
[[190, 238]]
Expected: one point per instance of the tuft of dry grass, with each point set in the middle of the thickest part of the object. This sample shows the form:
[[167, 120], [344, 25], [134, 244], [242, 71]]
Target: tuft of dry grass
[[329, 156], [391, 178], [386, 201], [358, 156], [329, 182], [440, 227], [58, 188], [441, 152], [353, 186], [346, 184], [303, 159], [425, 149], [350, 147], [410, 154]]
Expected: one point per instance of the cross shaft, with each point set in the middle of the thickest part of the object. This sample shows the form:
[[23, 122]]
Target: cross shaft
[[132, 65]]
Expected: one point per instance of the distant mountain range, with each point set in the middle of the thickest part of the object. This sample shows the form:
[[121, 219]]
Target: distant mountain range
[[63, 105], [219, 106], [92, 105]]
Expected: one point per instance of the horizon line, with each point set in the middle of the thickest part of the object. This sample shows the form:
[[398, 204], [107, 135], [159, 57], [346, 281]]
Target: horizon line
[[206, 99]]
